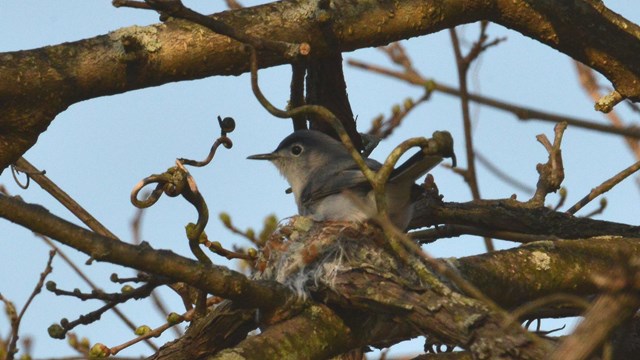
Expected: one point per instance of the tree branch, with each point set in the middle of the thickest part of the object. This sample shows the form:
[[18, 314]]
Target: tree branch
[[511, 215], [544, 268], [217, 280], [548, 267], [326, 336], [36, 85]]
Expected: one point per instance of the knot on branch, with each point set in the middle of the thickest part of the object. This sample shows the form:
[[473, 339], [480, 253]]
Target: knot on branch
[[552, 172]]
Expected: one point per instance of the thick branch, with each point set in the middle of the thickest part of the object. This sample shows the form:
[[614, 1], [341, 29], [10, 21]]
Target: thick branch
[[606, 314], [545, 267], [222, 328], [561, 266], [316, 333], [386, 300], [510, 215], [217, 280], [549, 267], [36, 85]]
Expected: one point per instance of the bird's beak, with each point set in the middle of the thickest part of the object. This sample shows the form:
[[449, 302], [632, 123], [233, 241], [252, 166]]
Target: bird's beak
[[268, 156]]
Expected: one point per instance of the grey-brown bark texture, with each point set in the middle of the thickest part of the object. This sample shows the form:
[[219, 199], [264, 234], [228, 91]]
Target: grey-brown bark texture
[[375, 298], [358, 292], [36, 85]]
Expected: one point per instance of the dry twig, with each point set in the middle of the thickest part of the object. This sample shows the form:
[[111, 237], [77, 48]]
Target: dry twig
[[604, 187], [16, 320]]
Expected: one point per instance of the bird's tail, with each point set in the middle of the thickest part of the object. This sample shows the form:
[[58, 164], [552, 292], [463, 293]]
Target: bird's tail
[[415, 167]]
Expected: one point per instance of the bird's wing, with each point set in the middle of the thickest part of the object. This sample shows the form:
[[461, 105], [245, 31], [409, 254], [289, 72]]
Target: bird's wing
[[349, 178]]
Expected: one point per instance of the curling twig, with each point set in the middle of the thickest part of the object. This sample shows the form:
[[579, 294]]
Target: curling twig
[[227, 125], [178, 181], [376, 179], [320, 111]]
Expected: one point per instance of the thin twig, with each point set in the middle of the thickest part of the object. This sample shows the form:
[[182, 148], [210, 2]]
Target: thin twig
[[593, 89], [521, 112], [396, 52], [222, 140], [599, 210], [14, 172], [67, 201], [462, 64], [93, 286], [134, 4], [384, 128], [604, 187], [136, 230], [603, 316], [249, 234], [15, 325], [174, 319], [503, 175], [462, 67], [409, 250], [453, 230], [217, 248], [530, 307], [48, 184], [60, 330], [562, 193]]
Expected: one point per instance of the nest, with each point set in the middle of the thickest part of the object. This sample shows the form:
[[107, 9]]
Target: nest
[[311, 257]]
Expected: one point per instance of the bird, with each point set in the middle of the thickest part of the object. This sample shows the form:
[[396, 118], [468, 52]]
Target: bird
[[328, 185]]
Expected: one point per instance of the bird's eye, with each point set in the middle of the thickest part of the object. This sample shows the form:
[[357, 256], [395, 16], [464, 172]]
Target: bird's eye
[[296, 150]]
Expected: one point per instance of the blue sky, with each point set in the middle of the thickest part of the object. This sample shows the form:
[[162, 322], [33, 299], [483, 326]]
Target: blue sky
[[99, 149]]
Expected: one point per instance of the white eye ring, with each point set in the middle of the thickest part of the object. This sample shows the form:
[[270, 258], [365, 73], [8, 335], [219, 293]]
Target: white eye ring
[[296, 150]]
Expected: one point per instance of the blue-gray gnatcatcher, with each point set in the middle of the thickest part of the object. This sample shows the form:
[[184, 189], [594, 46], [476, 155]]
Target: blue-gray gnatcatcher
[[320, 170]]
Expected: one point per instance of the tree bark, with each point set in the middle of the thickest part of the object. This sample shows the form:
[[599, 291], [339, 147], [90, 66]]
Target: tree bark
[[381, 299], [36, 85]]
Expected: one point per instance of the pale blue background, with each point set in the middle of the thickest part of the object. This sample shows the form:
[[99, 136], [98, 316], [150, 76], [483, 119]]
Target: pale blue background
[[98, 149]]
